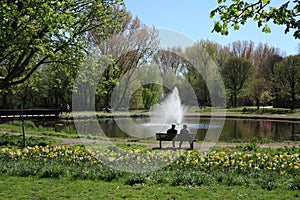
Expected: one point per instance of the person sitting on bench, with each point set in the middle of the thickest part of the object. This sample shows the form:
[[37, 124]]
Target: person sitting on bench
[[184, 131], [172, 131]]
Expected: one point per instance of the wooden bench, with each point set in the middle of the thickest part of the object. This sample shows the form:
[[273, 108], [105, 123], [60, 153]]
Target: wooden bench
[[176, 137]]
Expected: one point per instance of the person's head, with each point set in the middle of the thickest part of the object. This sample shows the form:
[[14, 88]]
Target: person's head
[[184, 126], [173, 126]]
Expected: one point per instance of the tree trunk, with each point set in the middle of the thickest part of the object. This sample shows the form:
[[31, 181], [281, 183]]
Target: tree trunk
[[235, 100], [257, 103]]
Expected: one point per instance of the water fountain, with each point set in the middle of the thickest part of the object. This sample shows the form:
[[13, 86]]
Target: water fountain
[[162, 115], [169, 110]]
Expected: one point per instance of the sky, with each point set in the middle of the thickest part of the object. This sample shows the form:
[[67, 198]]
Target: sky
[[191, 19]]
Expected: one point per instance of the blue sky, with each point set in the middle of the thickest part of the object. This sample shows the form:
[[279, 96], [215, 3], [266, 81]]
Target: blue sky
[[191, 18]]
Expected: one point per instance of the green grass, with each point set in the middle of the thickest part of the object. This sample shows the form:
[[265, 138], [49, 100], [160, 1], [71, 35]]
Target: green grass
[[36, 188], [16, 141], [30, 128], [261, 111]]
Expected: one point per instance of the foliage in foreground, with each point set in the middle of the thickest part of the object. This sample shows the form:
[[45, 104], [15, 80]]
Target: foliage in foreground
[[267, 169]]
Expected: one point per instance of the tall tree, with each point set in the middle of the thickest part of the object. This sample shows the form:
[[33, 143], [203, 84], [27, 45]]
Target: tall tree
[[199, 57], [237, 12], [288, 75], [262, 59], [36, 32], [129, 48], [152, 87], [242, 49], [171, 64], [235, 73], [169, 60]]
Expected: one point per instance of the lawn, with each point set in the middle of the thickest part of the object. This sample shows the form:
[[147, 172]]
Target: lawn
[[41, 188]]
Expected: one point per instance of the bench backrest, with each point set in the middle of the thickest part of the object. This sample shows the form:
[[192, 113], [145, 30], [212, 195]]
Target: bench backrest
[[165, 136], [186, 137]]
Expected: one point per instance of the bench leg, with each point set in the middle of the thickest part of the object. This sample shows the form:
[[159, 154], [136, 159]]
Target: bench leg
[[180, 143], [160, 144], [192, 145]]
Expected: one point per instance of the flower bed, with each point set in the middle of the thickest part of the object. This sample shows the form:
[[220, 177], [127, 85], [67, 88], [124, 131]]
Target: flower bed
[[181, 167]]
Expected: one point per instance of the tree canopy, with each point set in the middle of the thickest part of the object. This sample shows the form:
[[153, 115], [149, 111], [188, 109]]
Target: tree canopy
[[235, 73], [36, 32], [238, 12]]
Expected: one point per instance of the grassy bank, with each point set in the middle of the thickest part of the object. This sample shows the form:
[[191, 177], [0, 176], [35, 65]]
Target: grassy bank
[[35, 188]]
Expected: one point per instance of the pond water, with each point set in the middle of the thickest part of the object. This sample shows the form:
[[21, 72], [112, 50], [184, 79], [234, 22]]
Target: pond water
[[233, 129]]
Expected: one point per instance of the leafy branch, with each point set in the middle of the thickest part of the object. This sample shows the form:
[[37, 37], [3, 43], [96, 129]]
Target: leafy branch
[[239, 12]]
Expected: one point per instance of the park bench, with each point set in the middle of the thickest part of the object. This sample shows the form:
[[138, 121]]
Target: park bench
[[191, 138]]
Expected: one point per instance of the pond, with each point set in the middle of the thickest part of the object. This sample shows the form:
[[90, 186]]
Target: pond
[[233, 129]]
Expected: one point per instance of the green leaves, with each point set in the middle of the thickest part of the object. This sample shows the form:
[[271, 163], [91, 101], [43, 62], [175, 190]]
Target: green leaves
[[221, 28], [36, 32], [221, 1], [238, 12], [266, 1], [236, 27], [218, 27], [266, 29]]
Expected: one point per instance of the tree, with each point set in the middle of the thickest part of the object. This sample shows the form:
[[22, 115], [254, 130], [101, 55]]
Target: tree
[[257, 88], [149, 98], [171, 65], [198, 57], [152, 87], [288, 75], [129, 48], [136, 100], [237, 13], [242, 49], [263, 58], [33, 33], [235, 73]]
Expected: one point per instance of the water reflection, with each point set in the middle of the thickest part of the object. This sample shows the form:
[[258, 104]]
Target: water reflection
[[234, 129], [244, 129]]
